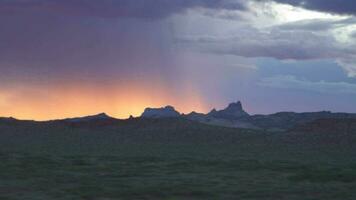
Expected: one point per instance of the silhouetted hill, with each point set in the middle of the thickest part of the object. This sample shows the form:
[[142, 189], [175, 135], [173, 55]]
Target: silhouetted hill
[[233, 116], [109, 133], [288, 120], [100, 116]]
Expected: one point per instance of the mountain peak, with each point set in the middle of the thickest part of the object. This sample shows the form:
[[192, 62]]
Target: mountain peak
[[101, 115], [212, 111], [235, 106]]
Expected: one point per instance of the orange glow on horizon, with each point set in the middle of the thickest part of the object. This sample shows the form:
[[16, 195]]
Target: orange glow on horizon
[[68, 101]]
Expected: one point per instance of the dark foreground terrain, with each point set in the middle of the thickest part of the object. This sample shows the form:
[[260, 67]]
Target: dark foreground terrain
[[173, 159]]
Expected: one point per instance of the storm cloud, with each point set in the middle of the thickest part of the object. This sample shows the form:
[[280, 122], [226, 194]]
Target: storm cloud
[[297, 45], [150, 9], [281, 32]]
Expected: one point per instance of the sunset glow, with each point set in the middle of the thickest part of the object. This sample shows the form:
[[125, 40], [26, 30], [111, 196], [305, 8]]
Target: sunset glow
[[119, 102]]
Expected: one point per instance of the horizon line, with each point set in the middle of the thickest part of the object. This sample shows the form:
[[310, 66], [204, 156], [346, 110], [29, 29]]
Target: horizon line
[[181, 113]]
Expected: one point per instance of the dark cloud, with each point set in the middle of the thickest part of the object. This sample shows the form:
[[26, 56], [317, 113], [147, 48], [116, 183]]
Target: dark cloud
[[151, 9], [353, 34], [331, 6], [42, 48], [279, 44]]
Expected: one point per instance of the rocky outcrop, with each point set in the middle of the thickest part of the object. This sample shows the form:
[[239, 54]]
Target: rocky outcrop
[[234, 111], [165, 112]]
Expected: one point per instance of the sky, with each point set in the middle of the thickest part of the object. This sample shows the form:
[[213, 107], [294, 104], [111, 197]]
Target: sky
[[68, 58]]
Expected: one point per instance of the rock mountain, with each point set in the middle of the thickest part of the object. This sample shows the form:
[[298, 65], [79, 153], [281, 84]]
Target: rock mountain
[[233, 111], [235, 116]]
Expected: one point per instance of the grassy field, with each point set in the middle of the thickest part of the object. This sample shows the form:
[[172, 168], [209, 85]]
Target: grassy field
[[88, 165], [179, 172]]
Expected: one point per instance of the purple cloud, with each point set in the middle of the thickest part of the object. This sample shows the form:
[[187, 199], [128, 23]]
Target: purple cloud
[[150, 9]]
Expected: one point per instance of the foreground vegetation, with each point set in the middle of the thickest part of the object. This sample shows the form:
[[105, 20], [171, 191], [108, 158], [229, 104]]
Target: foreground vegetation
[[76, 163]]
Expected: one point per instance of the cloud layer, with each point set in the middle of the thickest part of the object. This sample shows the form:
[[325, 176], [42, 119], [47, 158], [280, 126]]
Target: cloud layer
[[150, 9], [161, 8], [291, 82], [332, 6]]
